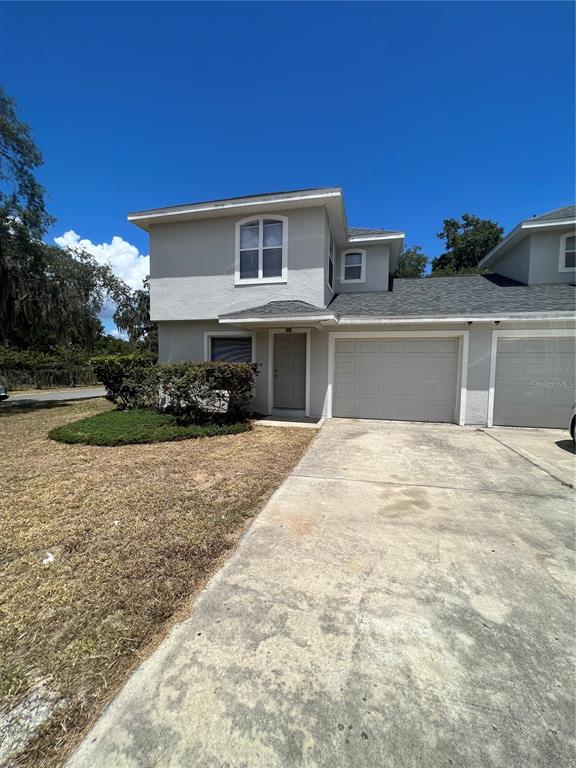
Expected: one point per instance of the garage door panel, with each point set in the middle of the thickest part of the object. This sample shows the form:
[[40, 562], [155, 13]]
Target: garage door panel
[[345, 365], [367, 366], [400, 379], [367, 347], [534, 381]]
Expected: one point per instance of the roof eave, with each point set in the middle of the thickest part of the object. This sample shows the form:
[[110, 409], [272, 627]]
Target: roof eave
[[376, 238], [282, 320], [472, 318], [144, 219]]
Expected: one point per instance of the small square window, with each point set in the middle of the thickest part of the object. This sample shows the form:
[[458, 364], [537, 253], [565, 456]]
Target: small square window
[[353, 266], [352, 272], [248, 264], [272, 262]]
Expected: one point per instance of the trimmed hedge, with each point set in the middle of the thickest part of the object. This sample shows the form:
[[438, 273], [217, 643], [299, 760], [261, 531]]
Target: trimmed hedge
[[129, 379], [193, 392], [137, 426], [206, 392]]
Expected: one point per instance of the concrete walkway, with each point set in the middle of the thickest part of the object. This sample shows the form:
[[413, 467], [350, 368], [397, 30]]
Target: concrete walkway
[[404, 600]]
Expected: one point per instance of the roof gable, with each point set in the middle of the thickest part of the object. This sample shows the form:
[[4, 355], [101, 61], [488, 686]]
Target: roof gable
[[559, 217]]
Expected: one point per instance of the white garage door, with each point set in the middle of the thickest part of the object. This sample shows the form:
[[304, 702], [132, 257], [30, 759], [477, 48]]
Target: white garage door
[[404, 379], [534, 383]]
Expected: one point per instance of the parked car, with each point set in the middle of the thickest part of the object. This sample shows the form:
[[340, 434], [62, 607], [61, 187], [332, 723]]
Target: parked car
[[3, 392]]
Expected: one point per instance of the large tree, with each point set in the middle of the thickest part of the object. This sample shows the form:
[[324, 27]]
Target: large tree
[[467, 240], [49, 296], [411, 262], [21, 195], [132, 315]]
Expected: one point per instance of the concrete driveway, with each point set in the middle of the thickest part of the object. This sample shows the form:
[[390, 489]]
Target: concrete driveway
[[404, 600]]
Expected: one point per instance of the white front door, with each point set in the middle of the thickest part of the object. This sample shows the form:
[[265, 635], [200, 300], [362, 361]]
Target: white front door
[[290, 371]]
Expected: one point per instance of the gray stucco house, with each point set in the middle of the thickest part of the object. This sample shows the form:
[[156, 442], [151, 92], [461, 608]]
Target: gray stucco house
[[282, 280]]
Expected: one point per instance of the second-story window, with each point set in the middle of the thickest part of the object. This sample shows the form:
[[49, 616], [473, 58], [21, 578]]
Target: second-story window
[[331, 258], [568, 253], [353, 267], [261, 255]]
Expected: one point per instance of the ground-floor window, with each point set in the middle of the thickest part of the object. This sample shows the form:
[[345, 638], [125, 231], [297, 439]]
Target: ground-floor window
[[231, 349]]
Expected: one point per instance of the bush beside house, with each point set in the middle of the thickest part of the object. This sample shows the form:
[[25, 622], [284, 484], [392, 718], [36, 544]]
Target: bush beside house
[[165, 401]]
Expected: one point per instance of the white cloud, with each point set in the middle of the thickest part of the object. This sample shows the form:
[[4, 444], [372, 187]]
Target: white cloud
[[124, 258], [118, 334]]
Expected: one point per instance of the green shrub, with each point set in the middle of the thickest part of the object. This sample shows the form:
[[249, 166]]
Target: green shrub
[[137, 426], [197, 393], [63, 366], [130, 380]]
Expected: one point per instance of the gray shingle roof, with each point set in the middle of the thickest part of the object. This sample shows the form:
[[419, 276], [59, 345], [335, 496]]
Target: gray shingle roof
[[558, 214], [468, 295], [368, 232], [465, 296], [279, 309]]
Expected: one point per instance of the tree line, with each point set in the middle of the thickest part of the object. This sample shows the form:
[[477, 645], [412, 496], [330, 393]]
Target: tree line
[[52, 297], [466, 241]]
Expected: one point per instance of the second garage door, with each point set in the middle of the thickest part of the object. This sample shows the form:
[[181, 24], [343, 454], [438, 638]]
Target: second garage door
[[403, 379], [534, 382]]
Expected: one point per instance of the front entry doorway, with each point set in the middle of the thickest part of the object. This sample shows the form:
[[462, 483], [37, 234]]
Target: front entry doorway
[[289, 371]]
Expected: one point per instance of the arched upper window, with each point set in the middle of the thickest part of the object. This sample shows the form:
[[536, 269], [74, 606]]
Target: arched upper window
[[353, 267], [261, 250]]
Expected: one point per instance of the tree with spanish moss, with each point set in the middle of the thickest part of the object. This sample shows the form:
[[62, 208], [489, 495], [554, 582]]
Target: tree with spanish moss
[[49, 296]]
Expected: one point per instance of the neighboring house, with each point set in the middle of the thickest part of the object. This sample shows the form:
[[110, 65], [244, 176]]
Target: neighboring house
[[282, 280]]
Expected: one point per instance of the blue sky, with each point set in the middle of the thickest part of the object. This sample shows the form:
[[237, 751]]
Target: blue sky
[[420, 111]]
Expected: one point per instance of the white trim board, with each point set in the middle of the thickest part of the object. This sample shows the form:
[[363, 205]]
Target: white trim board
[[156, 212], [271, 333], [227, 334], [525, 317], [524, 334], [371, 238], [460, 405], [286, 320]]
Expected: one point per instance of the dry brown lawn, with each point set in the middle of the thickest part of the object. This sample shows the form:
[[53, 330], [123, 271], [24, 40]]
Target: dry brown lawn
[[133, 531]]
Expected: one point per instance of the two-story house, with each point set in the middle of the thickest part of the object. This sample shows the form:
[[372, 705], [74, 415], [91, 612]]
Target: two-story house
[[282, 280]]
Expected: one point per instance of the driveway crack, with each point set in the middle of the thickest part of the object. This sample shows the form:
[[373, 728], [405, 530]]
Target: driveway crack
[[523, 456], [432, 485]]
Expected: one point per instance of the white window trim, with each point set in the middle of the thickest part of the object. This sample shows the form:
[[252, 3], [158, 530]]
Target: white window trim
[[523, 334], [208, 336], [362, 278], [259, 280], [462, 375], [562, 258], [271, 333]]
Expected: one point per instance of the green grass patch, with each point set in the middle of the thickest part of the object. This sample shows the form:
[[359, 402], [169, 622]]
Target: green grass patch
[[136, 426]]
